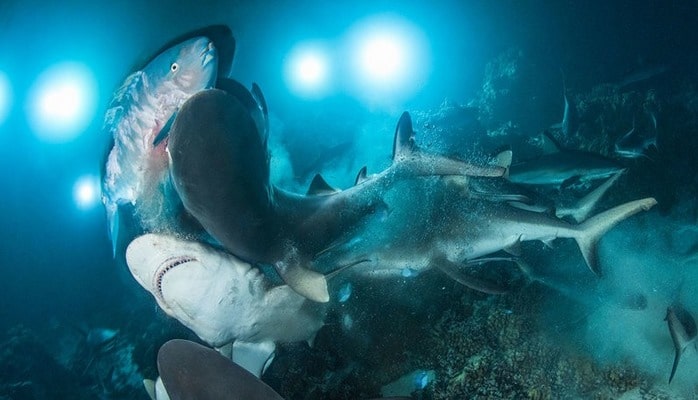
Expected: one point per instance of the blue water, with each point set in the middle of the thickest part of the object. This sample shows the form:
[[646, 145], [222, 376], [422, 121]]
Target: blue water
[[59, 279]]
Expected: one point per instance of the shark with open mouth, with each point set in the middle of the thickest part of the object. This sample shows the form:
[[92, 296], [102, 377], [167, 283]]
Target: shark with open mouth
[[221, 298]]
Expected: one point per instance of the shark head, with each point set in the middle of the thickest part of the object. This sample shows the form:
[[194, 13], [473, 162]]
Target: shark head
[[218, 296], [211, 292]]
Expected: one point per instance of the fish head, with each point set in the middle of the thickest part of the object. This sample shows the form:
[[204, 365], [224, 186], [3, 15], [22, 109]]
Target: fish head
[[201, 287], [185, 68]]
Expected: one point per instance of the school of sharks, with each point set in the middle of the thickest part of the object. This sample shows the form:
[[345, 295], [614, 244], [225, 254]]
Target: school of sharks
[[246, 264]]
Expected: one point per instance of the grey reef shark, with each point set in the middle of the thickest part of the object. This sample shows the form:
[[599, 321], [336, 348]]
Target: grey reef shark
[[219, 165], [438, 224], [559, 166]]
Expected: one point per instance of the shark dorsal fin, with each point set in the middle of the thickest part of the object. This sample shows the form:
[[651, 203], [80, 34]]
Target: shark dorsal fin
[[503, 159], [319, 186], [403, 144], [361, 176], [550, 144]]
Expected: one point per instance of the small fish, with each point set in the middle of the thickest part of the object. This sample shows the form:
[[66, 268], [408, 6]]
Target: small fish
[[682, 327], [136, 170]]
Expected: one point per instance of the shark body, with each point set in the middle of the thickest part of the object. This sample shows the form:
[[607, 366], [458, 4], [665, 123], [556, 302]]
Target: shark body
[[219, 297], [220, 168], [558, 165], [436, 225]]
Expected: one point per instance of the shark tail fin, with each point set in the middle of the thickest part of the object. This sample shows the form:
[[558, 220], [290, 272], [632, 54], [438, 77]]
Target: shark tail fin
[[590, 231], [677, 357]]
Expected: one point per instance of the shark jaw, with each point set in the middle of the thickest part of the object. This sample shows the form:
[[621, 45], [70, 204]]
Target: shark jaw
[[216, 295]]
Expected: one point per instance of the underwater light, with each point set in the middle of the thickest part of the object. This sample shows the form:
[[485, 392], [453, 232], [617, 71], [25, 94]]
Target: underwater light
[[62, 102], [5, 97], [390, 58], [86, 192], [307, 70]]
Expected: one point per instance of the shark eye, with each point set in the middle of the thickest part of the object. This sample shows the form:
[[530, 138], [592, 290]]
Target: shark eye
[[174, 67]]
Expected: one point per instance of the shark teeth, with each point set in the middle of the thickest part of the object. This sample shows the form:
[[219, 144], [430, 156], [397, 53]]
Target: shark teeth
[[165, 267]]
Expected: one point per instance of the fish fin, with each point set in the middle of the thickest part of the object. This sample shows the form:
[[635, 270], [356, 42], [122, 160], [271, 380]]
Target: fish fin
[[149, 386], [550, 144], [309, 284], [503, 159], [584, 206], [319, 186], [262, 102], [403, 143], [590, 231], [453, 271], [406, 151], [361, 176], [165, 131], [254, 357], [160, 391], [677, 357], [514, 249]]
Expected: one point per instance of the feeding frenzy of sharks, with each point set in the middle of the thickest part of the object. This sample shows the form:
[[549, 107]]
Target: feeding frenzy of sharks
[[187, 187]]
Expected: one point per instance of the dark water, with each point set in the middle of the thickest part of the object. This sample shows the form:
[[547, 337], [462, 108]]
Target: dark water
[[563, 334]]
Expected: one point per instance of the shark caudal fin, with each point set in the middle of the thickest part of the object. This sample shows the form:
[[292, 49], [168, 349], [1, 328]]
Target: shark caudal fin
[[590, 231], [682, 327]]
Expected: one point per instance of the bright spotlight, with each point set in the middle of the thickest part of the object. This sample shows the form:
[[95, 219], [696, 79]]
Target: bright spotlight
[[5, 97], [62, 102], [86, 192], [383, 57], [307, 70], [391, 59]]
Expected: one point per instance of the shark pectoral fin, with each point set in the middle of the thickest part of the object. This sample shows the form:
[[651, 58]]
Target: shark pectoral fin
[[309, 284], [254, 357], [149, 386], [454, 272], [590, 231]]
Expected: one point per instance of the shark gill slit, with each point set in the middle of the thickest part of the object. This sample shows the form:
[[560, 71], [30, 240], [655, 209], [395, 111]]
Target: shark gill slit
[[166, 266]]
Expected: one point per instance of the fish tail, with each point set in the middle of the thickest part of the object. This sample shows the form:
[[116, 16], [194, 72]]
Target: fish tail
[[590, 231]]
